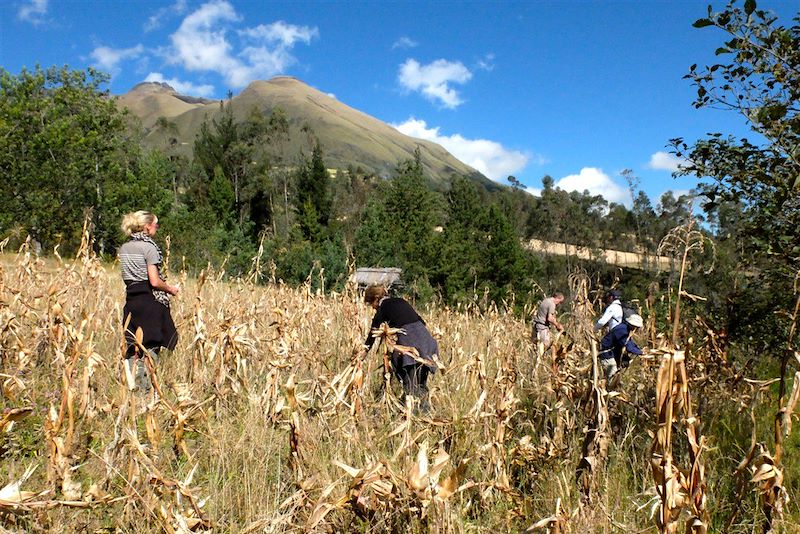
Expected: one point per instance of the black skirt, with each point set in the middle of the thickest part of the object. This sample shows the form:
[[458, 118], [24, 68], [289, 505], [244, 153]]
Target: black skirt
[[145, 312], [416, 335]]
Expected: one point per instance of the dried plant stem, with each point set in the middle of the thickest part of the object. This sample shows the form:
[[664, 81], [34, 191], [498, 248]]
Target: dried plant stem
[[677, 488], [677, 315], [770, 475], [597, 434]]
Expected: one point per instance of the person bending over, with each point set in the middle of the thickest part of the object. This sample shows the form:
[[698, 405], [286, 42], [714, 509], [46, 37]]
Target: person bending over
[[617, 344], [398, 313]]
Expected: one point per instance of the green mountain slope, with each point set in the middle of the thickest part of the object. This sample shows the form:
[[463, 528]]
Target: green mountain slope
[[348, 136]]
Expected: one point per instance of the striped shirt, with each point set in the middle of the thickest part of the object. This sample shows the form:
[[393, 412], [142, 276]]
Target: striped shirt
[[134, 257]]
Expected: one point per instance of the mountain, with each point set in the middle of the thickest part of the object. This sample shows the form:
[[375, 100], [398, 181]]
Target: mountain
[[348, 136]]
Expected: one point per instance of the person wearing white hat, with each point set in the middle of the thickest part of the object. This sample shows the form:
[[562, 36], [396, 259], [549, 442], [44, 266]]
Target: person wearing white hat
[[617, 340]]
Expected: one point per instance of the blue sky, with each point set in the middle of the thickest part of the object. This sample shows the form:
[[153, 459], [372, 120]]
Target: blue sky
[[576, 90]]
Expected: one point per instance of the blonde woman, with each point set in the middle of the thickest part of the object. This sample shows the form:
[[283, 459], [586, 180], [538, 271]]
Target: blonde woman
[[146, 289], [398, 313]]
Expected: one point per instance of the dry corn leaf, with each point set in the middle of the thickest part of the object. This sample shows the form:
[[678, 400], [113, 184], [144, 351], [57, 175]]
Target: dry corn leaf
[[449, 485], [764, 472], [352, 471], [70, 488], [418, 474], [321, 510], [439, 462], [95, 494], [13, 415], [547, 522], [13, 492]]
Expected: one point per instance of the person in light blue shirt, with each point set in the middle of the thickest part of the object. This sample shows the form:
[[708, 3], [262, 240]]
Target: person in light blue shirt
[[613, 312]]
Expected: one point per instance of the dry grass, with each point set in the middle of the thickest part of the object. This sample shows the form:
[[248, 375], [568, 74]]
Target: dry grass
[[266, 420]]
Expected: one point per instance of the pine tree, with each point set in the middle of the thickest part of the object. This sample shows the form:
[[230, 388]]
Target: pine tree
[[313, 195], [413, 215]]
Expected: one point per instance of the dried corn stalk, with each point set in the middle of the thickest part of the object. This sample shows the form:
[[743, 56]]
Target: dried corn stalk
[[683, 240], [678, 489], [768, 479], [597, 434]]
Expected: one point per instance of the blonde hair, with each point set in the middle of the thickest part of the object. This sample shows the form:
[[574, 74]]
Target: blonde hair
[[136, 221], [374, 293]]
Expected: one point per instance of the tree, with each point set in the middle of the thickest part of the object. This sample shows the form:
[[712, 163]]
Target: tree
[[413, 212], [374, 244], [672, 212], [460, 260], [515, 183], [64, 154], [220, 195], [645, 217], [241, 151], [313, 195], [503, 261], [761, 81]]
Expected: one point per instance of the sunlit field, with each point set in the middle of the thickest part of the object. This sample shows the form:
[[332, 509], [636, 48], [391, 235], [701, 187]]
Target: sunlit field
[[265, 419]]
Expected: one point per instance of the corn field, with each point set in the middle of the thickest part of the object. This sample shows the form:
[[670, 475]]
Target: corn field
[[266, 420]]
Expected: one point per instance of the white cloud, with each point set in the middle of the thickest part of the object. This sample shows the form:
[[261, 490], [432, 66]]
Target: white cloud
[[33, 11], [433, 80], [201, 44], [157, 19], [486, 62], [664, 161], [184, 88], [405, 42], [489, 157], [285, 35], [108, 59], [596, 182], [198, 46]]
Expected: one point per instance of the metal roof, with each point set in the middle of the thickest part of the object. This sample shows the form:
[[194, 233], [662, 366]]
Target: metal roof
[[386, 276]]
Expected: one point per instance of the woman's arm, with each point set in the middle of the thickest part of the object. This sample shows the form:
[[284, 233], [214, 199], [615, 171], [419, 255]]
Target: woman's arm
[[377, 319], [157, 283]]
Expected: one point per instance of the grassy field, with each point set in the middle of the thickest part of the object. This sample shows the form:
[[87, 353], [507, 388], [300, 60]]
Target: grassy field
[[267, 421]]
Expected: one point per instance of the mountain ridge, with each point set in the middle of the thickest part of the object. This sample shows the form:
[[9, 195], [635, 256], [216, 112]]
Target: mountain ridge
[[349, 137]]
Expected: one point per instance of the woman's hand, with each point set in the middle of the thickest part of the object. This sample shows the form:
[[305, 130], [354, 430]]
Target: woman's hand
[[157, 283]]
